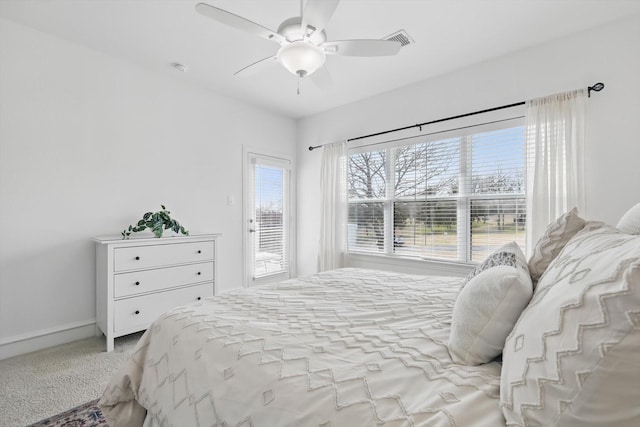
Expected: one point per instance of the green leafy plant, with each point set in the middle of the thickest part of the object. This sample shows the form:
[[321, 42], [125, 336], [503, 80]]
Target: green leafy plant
[[157, 222]]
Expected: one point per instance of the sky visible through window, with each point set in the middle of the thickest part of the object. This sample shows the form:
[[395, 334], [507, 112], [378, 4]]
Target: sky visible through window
[[268, 188], [500, 144]]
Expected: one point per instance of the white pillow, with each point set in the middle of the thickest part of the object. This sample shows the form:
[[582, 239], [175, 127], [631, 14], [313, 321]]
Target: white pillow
[[573, 358], [485, 311], [555, 237], [488, 306], [630, 221]]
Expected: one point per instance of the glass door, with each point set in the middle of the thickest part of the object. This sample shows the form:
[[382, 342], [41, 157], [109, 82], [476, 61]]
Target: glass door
[[267, 218]]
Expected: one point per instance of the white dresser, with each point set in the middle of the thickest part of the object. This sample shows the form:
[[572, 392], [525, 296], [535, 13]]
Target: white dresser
[[139, 279]]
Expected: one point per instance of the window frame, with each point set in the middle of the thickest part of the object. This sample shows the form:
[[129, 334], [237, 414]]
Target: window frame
[[463, 199], [280, 159]]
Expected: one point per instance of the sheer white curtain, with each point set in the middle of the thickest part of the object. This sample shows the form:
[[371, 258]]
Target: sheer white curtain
[[333, 205], [554, 128]]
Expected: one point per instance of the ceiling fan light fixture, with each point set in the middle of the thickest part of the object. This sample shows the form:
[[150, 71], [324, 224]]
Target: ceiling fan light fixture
[[301, 58], [302, 39]]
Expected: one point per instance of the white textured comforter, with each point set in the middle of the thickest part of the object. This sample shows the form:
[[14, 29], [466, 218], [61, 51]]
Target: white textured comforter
[[343, 348]]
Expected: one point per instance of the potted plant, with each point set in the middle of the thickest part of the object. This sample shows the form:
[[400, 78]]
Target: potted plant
[[157, 222]]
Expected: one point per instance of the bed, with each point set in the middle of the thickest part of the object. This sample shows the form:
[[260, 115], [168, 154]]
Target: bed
[[553, 341], [343, 348]]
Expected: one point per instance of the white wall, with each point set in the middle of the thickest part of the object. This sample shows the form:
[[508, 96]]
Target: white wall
[[88, 143], [608, 54]]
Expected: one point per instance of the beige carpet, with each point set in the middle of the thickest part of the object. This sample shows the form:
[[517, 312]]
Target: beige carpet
[[38, 385]]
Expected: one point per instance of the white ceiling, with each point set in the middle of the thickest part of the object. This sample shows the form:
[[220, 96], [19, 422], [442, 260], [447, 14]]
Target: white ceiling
[[448, 35]]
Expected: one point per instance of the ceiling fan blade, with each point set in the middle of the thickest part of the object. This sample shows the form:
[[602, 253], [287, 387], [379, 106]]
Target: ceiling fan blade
[[362, 47], [322, 78], [257, 66], [238, 22], [317, 13]]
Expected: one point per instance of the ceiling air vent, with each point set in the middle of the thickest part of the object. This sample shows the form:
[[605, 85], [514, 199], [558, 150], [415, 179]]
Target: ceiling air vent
[[402, 37]]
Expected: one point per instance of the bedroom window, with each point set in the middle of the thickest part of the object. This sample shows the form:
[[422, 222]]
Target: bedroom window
[[453, 196]]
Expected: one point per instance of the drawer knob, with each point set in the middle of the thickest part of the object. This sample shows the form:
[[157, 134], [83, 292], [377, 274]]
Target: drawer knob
[[137, 311], [137, 258], [137, 283], [199, 273], [199, 298], [199, 251]]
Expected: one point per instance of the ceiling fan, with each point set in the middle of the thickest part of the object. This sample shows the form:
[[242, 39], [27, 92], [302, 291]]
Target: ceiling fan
[[303, 41]]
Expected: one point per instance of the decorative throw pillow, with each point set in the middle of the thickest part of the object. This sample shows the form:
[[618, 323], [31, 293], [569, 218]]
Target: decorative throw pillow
[[572, 358], [509, 254], [485, 311], [555, 237], [630, 221], [488, 306]]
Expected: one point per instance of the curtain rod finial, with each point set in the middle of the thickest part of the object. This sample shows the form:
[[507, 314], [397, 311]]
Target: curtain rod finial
[[597, 87]]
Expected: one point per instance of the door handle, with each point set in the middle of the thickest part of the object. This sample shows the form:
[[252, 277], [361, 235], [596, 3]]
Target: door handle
[[251, 230]]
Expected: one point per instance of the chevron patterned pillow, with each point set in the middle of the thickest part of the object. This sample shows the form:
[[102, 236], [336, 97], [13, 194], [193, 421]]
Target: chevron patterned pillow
[[573, 357], [555, 237]]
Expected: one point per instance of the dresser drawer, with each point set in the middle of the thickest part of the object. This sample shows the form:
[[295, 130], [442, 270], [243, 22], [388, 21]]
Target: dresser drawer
[[144, 281], [139, 312], [139, 257]]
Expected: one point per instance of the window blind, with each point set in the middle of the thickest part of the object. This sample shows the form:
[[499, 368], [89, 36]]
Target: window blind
[[497, 197], [270, 228], [454, 198]]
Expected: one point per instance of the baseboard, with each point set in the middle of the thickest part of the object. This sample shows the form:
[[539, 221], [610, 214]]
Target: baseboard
[[26, 343]]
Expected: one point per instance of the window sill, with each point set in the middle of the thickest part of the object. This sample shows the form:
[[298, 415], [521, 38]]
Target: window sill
[[407, 265]]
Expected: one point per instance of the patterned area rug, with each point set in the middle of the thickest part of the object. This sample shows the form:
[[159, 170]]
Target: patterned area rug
[[87, 415]]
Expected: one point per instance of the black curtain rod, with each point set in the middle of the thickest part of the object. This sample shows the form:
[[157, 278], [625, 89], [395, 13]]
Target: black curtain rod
[[596, 87]]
